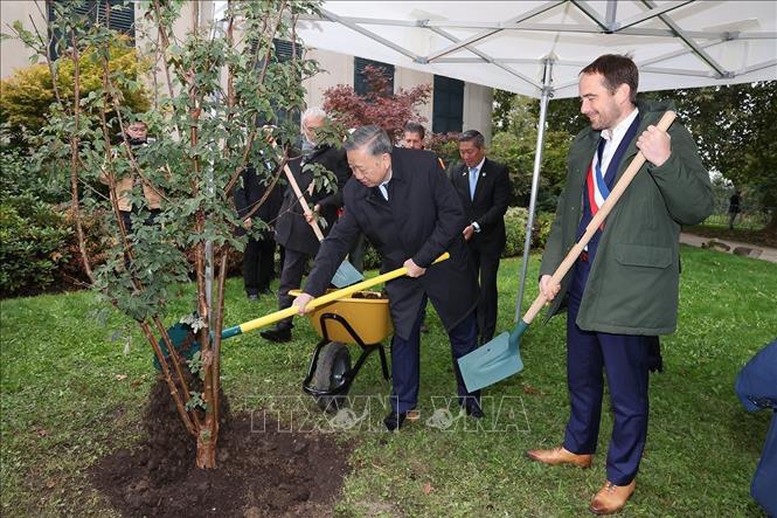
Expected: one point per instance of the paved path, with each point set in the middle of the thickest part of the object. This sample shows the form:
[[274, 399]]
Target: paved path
[[767, 254]]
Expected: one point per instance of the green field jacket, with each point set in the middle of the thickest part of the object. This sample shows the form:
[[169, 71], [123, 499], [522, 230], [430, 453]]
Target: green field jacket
[[634, 280]]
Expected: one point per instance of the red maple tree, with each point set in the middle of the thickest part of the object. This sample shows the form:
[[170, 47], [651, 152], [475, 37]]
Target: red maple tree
[[380, 105]]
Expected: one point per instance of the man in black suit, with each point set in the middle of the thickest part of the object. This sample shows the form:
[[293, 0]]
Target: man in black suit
[[402, 202], [259, 254], [484, 189], [292, 231]]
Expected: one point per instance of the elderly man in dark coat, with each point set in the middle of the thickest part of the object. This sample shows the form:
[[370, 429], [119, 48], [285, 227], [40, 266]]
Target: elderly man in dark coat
[[292, 230], [410, 212]]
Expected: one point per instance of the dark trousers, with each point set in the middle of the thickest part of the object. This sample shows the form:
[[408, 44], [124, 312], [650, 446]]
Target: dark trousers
[[405, 364], [293, 270], [624, 360], [731, 217], [258, 265], [356, 254], [487, 266]]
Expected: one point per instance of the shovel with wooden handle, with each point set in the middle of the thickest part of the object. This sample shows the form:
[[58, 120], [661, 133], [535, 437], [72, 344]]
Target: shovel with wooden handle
[[346, 273], [501, 357]]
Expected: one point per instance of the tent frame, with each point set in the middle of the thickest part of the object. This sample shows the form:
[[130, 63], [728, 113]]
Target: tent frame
[[714, 71]]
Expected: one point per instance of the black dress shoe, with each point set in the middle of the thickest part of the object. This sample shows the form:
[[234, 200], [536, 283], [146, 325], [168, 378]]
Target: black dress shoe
[[474, 411], [394, 420], [277, 334]]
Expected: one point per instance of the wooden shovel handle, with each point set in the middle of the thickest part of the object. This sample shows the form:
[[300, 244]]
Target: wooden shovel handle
[[298, 193], [666, 120]]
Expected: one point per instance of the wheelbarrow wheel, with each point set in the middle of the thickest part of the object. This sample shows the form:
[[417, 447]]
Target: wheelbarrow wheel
[[334, 362]]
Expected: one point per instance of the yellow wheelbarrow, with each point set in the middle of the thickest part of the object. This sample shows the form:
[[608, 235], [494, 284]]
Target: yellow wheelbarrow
[[362, 319]]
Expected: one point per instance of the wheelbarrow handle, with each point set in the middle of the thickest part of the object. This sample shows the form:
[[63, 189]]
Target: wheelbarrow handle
[[319, 301], [666, 120]]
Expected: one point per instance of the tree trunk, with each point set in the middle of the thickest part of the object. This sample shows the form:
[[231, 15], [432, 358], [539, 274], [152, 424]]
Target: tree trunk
[[206, 443]]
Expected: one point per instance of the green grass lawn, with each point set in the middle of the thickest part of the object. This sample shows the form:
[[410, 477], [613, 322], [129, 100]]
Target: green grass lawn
[[75, 378]]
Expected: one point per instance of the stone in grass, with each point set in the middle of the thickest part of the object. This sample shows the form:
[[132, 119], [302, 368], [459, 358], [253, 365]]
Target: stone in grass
[[746, 251], [715, 244]]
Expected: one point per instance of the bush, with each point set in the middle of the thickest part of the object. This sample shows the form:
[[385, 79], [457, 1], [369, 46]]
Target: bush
[[21, 173], [28, 93], [517, 152], [515, 225], [97, 241], [445, 146], [32, 245]]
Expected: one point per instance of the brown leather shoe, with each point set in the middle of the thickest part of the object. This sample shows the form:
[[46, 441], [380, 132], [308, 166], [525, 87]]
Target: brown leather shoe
[[561, 455], [611, 498]]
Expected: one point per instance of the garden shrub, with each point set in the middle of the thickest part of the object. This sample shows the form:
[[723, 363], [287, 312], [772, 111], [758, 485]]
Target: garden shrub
[[515, 226], [32, 245], [517, 152], [97, 241], [371, 257], [28, 93]]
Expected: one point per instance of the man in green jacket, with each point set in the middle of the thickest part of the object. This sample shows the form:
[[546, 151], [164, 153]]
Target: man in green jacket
[[622, 292]]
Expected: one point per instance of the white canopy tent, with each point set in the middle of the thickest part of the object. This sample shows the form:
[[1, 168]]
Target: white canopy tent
[[537, 48]]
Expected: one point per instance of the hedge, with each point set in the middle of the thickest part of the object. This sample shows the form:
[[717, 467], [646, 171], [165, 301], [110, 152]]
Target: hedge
[[32, 245]]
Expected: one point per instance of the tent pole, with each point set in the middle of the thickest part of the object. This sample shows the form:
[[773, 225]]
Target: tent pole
[[547, 92]]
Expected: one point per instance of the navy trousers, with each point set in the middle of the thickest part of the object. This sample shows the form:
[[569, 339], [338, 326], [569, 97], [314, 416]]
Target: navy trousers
[[624, 360], [487, 266], [405, 368]]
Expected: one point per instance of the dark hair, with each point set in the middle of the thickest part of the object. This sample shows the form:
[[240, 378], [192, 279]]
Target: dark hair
[[373, 137], [414, 127], [473, 136], [617, 69]]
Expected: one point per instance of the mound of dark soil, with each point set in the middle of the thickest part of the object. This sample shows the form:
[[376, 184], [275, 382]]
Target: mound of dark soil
[[265, 471]]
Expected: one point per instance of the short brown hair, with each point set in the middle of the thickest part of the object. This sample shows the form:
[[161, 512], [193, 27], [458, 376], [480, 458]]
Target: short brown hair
[[616, 69]]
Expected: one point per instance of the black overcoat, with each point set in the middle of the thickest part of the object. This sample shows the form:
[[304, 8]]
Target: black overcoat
[[422, 219], [249, 192], [292, 231]]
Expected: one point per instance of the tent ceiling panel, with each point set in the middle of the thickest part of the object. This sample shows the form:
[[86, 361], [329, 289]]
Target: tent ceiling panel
[[676, 43]]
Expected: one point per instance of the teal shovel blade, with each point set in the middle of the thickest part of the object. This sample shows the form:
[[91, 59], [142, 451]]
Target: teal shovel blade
[[493, 361], [346, 275]]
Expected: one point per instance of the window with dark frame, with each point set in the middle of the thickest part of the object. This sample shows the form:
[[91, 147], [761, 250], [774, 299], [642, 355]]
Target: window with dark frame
[[121, 19], [284, 51], [448, 106], [360, 85]]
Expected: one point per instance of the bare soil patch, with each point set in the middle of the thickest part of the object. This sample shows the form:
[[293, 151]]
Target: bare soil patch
[[265, 471]]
